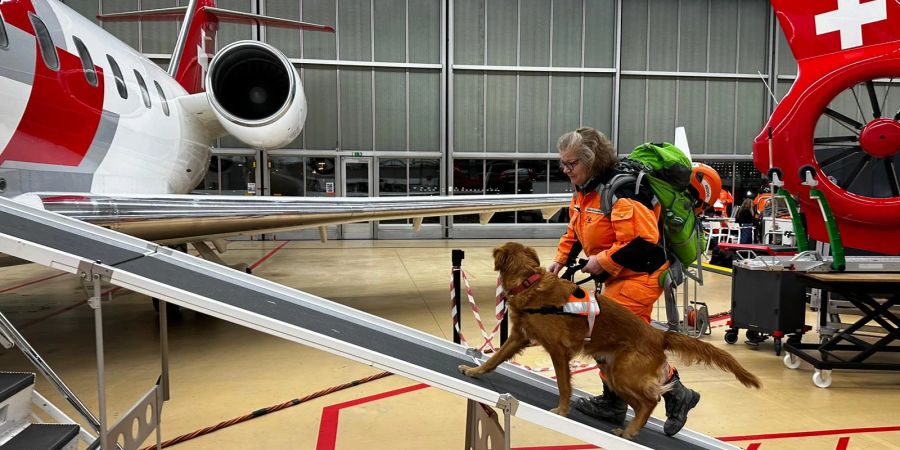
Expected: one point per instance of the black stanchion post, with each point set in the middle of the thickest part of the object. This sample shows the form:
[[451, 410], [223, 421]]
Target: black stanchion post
[[457, 256]]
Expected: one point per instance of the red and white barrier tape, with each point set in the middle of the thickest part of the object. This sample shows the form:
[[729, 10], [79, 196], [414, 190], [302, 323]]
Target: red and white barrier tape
[[573, 366], [499, 312]]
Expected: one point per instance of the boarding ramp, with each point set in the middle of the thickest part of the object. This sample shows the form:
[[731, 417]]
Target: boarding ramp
[[72, 246]]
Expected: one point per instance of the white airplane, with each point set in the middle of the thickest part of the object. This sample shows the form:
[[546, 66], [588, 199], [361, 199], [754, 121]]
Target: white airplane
[[90, 128]]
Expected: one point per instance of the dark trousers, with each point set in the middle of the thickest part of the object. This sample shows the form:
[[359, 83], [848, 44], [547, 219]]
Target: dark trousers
[[746, 235]]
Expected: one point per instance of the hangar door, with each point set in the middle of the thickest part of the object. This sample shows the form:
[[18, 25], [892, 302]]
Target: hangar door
[[356, 176]]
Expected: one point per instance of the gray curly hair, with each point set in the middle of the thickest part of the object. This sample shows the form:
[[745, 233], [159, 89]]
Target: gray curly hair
[[592, 147]]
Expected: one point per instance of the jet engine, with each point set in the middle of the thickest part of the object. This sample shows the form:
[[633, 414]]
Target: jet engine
[[256, 94]]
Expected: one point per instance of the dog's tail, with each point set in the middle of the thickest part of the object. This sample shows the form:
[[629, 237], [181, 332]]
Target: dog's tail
[[691, 351]]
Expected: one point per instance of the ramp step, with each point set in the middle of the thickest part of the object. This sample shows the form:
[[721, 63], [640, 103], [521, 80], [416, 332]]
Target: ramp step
[[13, 382], [43, 437]]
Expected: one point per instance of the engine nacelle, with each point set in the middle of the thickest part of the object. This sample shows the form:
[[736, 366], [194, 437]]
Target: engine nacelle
[[256, 94]]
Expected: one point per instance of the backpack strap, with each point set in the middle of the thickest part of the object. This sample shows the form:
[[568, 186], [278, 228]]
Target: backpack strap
[[625, 185], [611, 191]]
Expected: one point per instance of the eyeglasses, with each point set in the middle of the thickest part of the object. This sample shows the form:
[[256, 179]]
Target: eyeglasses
[[568, 165]]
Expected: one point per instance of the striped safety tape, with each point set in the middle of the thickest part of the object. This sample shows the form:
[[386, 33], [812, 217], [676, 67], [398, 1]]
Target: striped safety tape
[[499, 312]]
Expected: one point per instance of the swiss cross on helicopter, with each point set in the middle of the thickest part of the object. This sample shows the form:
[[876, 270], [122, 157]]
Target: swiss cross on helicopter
[[849, 19]]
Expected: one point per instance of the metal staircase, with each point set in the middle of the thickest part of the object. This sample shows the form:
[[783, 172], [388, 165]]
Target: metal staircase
[[20, 427]]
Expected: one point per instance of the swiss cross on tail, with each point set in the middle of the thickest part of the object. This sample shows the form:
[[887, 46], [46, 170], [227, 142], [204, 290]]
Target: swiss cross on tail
[[821, 27]]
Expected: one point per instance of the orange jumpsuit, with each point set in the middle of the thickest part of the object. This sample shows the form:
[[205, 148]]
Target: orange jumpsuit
[[759, 204], [725, 200], [604, 236]]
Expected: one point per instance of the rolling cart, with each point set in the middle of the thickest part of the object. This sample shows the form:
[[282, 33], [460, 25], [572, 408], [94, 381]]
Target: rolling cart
[[767, 300], [876, 294]]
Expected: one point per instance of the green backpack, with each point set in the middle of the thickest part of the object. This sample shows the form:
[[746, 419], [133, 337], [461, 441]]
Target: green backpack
[[667, 171]]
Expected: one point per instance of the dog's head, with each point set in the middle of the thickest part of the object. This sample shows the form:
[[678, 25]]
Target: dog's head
[[513, 258]]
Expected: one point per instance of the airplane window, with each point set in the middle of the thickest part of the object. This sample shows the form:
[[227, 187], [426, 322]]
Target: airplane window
[[4, 41], [117, 72], [162, 98], [144, 92], [86, 62], [48, 50]]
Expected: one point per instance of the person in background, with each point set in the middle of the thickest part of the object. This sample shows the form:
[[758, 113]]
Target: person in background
[[723, 205], [746, 220], [760, 202], [623, 247]]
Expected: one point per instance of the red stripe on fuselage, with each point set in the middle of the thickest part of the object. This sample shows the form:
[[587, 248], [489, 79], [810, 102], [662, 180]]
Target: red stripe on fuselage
[[63, 112], [16, 12]]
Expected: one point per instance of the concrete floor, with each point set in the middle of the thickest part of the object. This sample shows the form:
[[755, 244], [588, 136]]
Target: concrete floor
[[220, 371]]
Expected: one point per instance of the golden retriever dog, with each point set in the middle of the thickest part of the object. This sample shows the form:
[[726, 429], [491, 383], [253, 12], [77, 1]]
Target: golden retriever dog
[[634, 351]]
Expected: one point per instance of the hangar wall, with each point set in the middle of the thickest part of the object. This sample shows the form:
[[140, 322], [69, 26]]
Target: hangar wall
[[426, 97]]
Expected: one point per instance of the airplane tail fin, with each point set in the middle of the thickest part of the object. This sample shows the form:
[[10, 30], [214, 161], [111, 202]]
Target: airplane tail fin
[[195, 45], [682, 143]]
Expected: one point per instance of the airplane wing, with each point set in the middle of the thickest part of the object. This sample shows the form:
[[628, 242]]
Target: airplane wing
[[176, 219]]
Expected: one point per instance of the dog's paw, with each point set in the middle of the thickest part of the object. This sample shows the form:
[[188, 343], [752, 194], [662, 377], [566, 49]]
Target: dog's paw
[[560, 411], [467, 370], [622, 434]]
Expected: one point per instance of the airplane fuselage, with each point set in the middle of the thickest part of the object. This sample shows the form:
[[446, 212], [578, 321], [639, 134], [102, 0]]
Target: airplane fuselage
[[119, 129]]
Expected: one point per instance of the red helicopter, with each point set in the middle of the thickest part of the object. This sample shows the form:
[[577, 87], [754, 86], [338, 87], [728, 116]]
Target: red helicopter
[[840, 121]]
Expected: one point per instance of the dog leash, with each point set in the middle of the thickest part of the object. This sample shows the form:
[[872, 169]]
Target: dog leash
[[569, 274]]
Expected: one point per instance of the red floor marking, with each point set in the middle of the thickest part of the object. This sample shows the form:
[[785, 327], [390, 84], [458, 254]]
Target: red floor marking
[[60, 311], [29, 283], [327, 439], [795, 434], [268, 255], [558, 447], [843, 443], [330, 415], [49, 315]]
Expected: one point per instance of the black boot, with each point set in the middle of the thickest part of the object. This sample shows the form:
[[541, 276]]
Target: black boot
[[609, 406], [679, 401]]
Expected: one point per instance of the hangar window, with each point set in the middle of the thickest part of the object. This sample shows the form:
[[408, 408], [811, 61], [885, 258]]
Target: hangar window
[[509, 176], [86, 62], [117, 73], [45, 42], [145, 94], [4, 41], [162, 98], [409, 177]]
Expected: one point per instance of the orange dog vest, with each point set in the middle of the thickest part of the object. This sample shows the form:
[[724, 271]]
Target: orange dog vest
[[585, 304]]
